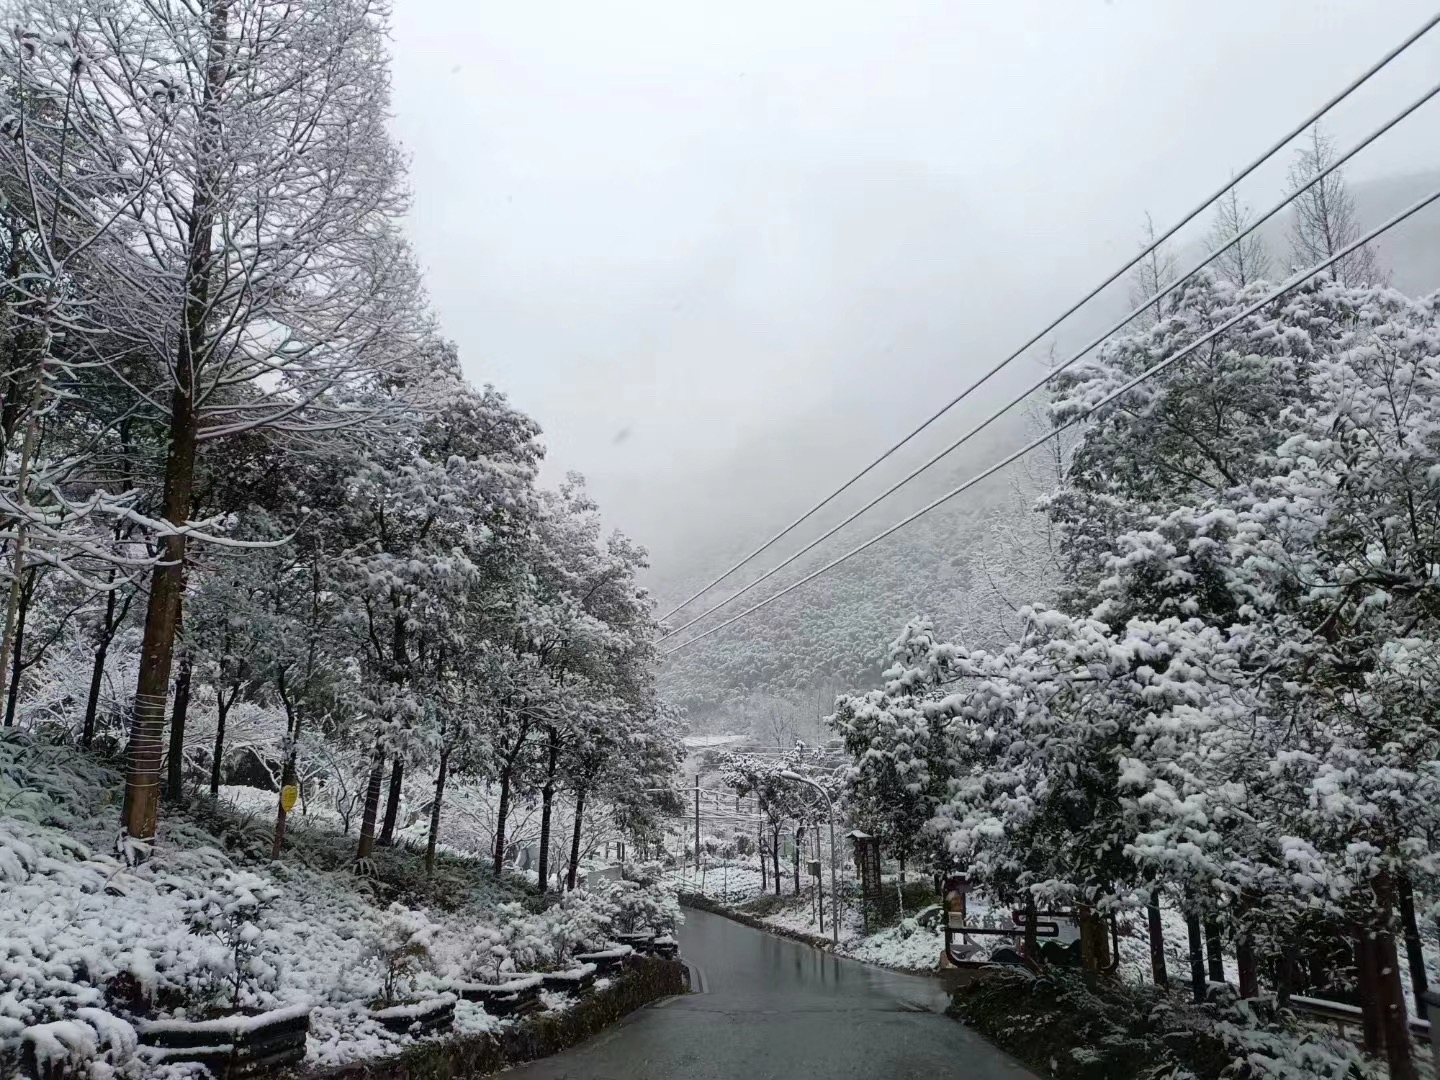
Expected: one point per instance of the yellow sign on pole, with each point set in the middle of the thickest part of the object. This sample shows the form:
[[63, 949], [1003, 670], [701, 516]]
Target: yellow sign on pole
[[288, 794]]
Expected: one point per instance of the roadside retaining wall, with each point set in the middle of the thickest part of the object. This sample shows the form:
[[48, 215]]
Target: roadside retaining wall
[[647, 979]]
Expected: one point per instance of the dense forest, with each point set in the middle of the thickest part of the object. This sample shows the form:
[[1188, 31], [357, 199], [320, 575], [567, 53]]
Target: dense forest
[[257, 523]]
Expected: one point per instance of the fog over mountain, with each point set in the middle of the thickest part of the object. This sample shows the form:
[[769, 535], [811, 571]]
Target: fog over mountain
[[727, 257]]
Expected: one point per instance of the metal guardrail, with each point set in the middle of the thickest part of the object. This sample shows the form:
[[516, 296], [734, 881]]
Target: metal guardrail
[[955, 923], [1342, 1014]]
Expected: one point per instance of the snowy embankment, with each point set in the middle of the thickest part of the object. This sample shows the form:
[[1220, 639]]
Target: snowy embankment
[[90, 946]]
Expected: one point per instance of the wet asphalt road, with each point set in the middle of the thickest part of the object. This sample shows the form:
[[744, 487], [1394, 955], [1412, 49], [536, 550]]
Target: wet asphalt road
[[773, 1008]]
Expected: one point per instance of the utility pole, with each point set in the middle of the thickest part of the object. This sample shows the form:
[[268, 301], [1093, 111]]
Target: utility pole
[[819, 888], [791, 774], [697, 822]]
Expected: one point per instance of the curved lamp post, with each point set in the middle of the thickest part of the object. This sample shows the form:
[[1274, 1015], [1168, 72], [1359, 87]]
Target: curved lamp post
[[791, 774]]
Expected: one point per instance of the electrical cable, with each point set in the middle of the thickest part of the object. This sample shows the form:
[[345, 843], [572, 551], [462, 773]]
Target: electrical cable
[[1055, 371], [1149, 373], [1280, 144]]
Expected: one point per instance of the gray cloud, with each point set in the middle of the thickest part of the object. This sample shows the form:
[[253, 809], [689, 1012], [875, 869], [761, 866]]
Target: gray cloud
[[761, 237]]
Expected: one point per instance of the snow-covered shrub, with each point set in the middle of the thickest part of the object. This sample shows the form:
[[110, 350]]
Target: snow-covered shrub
[[233, 910], [485, 955], [1271, 1052], [91, 1043], [592, 917], [577, 922], [641, 907], [524, 936], [400, 946]]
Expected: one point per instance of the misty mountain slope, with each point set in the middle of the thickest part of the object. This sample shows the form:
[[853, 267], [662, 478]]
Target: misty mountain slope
[[962, 564], [833, 631]]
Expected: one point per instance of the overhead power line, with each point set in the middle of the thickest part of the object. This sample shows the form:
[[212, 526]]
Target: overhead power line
[[1279, 145], [1149, 373], [1055, 371]]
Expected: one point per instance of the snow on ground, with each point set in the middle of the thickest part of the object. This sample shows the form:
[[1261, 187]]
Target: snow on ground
[[83, 935], [906, 946]]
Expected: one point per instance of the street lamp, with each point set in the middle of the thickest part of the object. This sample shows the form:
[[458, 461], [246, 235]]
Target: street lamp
[[791, 774]]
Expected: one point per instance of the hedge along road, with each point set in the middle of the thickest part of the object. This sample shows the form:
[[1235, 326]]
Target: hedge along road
[[776, 1008]]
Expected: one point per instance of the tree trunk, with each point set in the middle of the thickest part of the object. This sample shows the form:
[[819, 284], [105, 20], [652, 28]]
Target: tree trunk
[[1319, 966], [97, 672], [547, 807], [366, 844], [1215, 959], [1394, 1021], [140, 811], [502, 811], [1197, 957], [1418, 983], [775, 854], [1031, 941], [175, 763], [217, 759], [392, 802], [574, 872], [1094, 945], [12, 693], [1367, 983], [435, 812], [1157, 941], [797, 862], [288, 779], [760, 849], [1286, 976], [1246, 963]]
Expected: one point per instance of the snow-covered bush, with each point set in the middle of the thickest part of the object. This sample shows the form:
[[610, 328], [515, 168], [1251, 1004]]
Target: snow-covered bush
[[641, 907], [233, 910], [1287, 1054], [522, 940], [592, 917], [91, 1043], [400, 947], [485, 955]]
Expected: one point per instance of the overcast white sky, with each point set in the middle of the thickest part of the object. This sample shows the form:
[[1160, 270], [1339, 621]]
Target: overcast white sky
[[719, 247]]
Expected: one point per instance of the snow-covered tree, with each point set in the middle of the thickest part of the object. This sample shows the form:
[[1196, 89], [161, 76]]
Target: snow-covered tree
[[1324, 220], [1246, 260]]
